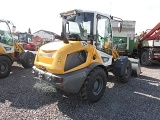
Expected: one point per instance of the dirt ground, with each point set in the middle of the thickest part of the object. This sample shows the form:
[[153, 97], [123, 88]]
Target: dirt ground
[[23, 97]]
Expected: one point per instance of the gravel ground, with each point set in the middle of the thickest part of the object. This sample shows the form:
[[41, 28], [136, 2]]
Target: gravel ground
[[23, 97]]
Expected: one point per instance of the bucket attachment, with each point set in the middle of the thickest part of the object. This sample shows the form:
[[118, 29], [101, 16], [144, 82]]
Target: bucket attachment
[[136, 67]]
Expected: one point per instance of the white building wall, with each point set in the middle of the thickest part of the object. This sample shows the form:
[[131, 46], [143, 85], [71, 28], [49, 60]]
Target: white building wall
[[44, 35]]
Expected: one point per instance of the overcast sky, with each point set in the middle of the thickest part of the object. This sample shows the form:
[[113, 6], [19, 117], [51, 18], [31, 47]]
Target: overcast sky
[[44, 14]]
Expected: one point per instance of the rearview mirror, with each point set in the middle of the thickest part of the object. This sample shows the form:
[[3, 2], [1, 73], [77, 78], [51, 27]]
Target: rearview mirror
[[119, 26], [13, 29]]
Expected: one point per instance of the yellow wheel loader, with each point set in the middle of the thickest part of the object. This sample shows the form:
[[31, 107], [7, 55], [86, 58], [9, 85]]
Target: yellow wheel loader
[[11, 51], [80, 62]]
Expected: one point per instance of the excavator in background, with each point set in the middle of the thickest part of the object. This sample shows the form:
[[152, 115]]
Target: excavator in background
[[149, 46], [80, 62], [11, 50], [26, 41]]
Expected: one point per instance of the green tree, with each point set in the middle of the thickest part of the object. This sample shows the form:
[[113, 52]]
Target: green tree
[[29, 31]]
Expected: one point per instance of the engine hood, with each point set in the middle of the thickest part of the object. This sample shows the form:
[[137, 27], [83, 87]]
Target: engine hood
[[60, 45], [52, 46]]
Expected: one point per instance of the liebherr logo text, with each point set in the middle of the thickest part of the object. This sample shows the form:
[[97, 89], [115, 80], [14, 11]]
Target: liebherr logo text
[[46, 54]]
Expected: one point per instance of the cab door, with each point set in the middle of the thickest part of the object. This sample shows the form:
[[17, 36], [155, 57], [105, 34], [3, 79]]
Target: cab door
[[104, 33], [103, 39]]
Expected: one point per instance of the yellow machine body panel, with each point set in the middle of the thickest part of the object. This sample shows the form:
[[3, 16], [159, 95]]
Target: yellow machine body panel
[[2, 51], [52, 56]]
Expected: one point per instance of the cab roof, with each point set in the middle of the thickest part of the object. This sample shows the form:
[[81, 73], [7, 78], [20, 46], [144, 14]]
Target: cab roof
[[75, 11]]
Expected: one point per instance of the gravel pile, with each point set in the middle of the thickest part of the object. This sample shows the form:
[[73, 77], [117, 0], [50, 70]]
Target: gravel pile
[[23, 97]]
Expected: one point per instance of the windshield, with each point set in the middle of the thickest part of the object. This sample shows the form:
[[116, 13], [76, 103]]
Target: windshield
[[23, 37], [80, 24], [30, 38], [74, 27], [5, 34]]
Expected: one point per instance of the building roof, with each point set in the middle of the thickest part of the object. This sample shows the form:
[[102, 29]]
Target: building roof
[[49, 32]]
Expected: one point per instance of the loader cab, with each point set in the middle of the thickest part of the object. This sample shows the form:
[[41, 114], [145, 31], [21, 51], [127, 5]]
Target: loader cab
[[5, 34], [90, 26], [6, 38], [25, 37], [26, 41]]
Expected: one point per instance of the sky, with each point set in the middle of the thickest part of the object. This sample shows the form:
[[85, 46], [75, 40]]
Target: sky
[[44, 14]]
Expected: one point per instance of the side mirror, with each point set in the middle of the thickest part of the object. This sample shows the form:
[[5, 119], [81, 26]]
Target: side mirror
[[13, 29], [119, 26]]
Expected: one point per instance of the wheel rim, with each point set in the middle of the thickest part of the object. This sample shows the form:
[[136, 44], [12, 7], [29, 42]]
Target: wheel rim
[[97, 86], [3, 67]]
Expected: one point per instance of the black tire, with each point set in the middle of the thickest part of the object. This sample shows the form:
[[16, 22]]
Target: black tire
[[5, 66], [128, 70], [29, 61], [94, 86], [145, 58]]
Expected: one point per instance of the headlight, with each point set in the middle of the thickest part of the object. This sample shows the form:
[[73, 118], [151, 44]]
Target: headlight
[[105, 59]]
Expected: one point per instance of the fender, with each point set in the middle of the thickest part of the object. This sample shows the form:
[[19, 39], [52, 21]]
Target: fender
[[93, 65], [120, 64], [8, 57]]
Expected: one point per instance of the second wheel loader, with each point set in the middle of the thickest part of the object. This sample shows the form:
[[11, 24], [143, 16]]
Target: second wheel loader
[[80, 62], [11, 50]]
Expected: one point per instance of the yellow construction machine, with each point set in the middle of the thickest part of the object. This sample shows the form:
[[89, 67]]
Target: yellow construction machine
[[11, 50], [80, 62]]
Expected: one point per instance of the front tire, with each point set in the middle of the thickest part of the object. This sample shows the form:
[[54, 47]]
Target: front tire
[[128, 70], [5, 66], [29, 60], [94, 86]]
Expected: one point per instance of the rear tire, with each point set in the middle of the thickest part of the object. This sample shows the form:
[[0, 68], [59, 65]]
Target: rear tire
[[5, 66], [128, 70], [145, 58], [29, 62], [94, 86]]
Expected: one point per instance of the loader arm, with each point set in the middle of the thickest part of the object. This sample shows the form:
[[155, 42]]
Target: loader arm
[[18, 48]]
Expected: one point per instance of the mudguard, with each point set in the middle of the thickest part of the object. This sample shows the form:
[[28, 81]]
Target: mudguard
[[119, 65], [93, 65]]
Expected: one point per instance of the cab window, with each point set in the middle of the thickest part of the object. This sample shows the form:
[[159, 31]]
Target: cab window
[[103, 31], [5, 34]]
